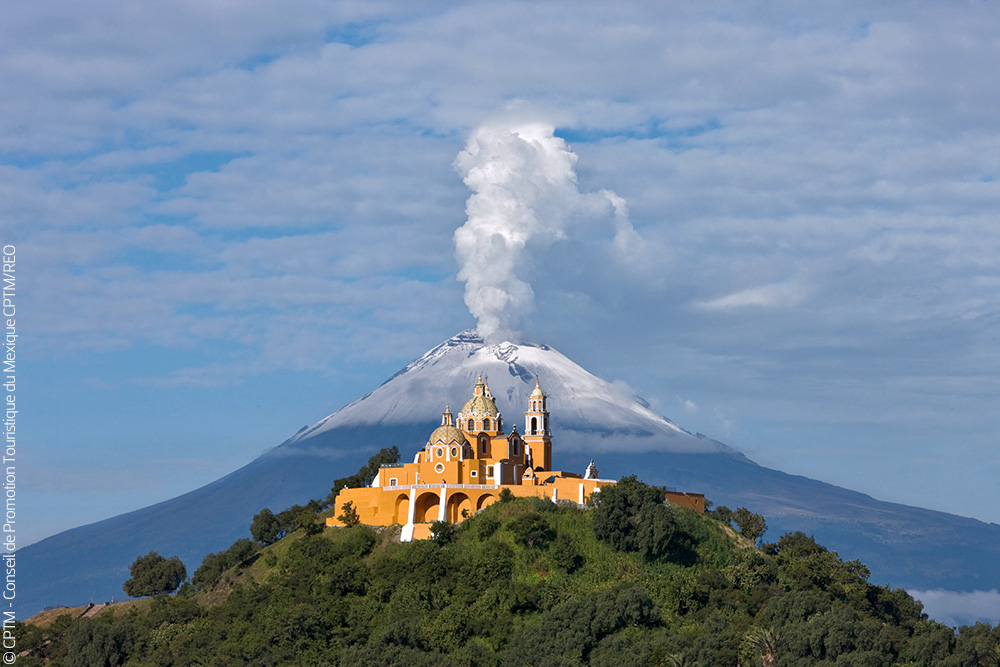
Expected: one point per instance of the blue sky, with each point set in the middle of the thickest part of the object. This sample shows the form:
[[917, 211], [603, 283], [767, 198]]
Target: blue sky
[[232, 218]]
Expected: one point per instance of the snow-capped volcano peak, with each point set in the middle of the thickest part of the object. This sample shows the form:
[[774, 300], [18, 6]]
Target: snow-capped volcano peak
[[590, 412]]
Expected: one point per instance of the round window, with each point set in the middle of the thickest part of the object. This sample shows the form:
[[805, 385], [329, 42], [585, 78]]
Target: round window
[[454, 452], [439, 467], [440, 452]]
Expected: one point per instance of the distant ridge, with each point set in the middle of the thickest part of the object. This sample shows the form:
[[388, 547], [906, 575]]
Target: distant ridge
[[591, 418]]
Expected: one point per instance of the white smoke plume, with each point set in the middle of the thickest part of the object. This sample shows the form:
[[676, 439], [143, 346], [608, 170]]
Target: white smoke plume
[[524, 194]]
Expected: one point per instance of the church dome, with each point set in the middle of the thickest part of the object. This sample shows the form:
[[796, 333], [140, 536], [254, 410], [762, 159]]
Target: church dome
[[478, 407], [447, 435], [481, 405]]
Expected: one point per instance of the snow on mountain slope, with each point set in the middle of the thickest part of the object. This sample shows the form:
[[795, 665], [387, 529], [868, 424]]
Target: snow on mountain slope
[[583, 405]]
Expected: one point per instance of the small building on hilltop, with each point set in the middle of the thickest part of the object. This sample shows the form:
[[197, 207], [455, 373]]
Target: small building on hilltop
[[467, 462]]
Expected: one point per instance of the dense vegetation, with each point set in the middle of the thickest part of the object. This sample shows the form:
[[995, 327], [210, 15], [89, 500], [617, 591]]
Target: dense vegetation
[[524, 582]]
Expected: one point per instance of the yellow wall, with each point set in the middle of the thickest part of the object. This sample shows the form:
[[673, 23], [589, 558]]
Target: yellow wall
[[387, 506]]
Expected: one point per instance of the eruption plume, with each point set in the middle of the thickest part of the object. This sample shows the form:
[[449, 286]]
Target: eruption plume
[[524, 194]]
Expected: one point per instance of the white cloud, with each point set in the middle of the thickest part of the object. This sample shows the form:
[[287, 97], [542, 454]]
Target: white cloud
[[777, 295], [957, 608]]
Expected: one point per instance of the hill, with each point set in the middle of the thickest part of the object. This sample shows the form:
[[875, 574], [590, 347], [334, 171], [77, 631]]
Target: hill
[[591, 418], [526, 582]]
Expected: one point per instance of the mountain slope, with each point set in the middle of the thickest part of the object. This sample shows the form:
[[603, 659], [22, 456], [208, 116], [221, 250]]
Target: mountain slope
[[591, 418]]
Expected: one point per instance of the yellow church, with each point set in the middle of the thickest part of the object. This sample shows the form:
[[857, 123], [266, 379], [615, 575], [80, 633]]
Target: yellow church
[[467, 461]]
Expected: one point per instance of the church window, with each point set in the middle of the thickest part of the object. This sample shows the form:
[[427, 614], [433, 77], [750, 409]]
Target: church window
[[515, 447], [534, 425], [454, 452], [482, 444], [486, 424], [394, 481], [472, 426], [489, 471], [474, 473], [439, 467], [439, 452]]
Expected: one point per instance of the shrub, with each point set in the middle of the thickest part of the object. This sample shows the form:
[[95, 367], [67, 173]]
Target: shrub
[[442, 532], [531, 530], [565, 555]]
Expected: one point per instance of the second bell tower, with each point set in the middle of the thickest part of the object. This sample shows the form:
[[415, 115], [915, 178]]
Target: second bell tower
[[537, 436]]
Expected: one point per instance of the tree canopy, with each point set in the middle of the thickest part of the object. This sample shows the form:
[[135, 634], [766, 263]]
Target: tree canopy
[[153, 574]]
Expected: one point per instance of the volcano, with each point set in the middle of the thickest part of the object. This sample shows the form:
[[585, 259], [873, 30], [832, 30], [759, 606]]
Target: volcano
[[591, 419]]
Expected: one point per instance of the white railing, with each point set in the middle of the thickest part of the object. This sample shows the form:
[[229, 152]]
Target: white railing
[[407, 487]]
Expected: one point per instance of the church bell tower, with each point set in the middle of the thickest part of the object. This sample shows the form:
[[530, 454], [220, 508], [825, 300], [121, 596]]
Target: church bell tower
[[537, 436]]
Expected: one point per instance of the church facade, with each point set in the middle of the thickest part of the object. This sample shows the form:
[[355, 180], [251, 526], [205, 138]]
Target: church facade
[[467, 462]]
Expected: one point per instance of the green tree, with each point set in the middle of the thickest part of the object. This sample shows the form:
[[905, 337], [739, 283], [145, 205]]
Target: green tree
[[632, 516], [750, 525], [722, 513], [567, 633], [308, 523], [211, 568], [240, 551], [153, 574], [265, 528], [350, 516], [288, 519], [214, 564], [98, 643]]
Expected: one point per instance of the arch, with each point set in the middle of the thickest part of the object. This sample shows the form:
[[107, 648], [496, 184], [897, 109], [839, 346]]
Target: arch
[[456, 503], [485, 501], [472, 425], [402, 511], [426, 508], [534, 425], [483, 445], [486, 424]]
